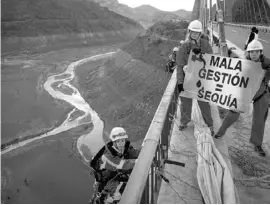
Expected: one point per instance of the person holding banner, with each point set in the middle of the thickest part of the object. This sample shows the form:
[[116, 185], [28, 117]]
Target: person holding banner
[[196, 43], [254, 52]]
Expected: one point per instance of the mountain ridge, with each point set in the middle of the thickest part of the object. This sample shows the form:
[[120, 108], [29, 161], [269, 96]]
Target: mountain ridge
[[145, 14]]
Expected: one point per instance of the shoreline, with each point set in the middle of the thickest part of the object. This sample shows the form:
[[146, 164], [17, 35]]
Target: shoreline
[[21, 139]]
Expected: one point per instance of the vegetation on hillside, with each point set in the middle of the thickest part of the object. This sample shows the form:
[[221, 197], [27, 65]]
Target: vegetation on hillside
[[154, 46], [45, 17]]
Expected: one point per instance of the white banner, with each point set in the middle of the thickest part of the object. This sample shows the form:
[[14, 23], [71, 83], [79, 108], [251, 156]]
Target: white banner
[[230, 83]]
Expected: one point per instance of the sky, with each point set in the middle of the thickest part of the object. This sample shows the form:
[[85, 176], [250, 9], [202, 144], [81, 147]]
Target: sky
[[165, 5]]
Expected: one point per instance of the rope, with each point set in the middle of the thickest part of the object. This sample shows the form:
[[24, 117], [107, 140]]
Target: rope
[[241, 153]]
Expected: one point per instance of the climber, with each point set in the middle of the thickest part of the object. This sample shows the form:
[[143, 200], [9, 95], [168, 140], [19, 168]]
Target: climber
[[198, 45], [116, 156], [254, 52], [172, 60], [253, 35]]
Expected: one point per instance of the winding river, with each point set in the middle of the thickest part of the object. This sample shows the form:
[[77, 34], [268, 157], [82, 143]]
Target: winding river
[[93, 140]]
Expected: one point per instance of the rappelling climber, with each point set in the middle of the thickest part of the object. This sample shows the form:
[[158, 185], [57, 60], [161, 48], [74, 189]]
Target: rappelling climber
[[254, 35], [254, 53], [194, 42], [171, 63], [118, 155]]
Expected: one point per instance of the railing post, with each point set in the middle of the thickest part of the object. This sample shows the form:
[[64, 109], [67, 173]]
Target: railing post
[[223, 49]]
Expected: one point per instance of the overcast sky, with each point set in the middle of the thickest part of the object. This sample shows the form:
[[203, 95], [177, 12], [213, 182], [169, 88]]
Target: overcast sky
[[165, 5]]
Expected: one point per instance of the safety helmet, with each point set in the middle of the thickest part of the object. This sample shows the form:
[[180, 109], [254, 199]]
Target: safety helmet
[[118, 133], [254, 46], [195, 26], [175, 49]]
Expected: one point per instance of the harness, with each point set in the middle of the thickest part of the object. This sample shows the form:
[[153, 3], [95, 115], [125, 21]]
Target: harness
[[94, 164]]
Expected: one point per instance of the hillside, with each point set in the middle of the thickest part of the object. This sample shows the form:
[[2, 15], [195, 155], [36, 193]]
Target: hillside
[[146, 15], [186, 15], [133, 81], [44, 17], [146, 9], [47, 18], [164, 16], [154, 46]]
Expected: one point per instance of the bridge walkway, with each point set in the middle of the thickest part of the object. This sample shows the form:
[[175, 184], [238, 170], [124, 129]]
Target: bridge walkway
[[183, 186]]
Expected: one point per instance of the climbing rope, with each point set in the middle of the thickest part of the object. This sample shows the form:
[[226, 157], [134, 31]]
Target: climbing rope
[[242, 154]]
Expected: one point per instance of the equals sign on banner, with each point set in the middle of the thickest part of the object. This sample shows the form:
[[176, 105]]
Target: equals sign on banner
[[219, 87]]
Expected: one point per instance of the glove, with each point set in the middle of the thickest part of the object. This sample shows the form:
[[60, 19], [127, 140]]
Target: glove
[[265, 63], [180, 88], [196, 50]]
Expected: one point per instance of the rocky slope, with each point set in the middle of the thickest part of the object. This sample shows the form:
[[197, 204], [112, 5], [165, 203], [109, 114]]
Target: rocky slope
[[58, 21]]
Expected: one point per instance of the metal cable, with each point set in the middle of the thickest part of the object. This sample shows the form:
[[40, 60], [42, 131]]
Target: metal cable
[[249, 14], [246, 12], [259, 11], [254, 11], [266, 13]]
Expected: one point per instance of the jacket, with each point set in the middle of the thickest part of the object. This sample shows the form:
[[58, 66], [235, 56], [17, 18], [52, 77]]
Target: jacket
[[264, 85], [183, 55], [113, 160], [172, 57]]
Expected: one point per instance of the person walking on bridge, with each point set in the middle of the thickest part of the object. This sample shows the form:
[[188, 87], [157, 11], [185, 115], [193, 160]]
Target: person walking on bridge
[[252, 36], [194, 42], [254, 52]]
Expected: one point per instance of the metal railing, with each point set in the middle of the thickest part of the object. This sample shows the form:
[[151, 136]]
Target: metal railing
[[265, 29], [145, 180]]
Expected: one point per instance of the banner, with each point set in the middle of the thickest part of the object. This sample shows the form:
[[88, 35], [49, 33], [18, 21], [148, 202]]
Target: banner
[[230, 83]]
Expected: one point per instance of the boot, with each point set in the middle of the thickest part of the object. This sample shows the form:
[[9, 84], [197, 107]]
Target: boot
[[260, 150], [182, 127]]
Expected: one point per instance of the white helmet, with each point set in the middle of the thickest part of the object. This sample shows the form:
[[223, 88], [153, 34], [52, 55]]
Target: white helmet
[[195, 26], [254, 45], [175, 49], [118, 133]]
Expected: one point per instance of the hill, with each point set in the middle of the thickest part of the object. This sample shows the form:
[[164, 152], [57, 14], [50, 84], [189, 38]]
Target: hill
[[146, 9], [133, 81], [183, 14], [154, 46], [58, 18], [146, 15]]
